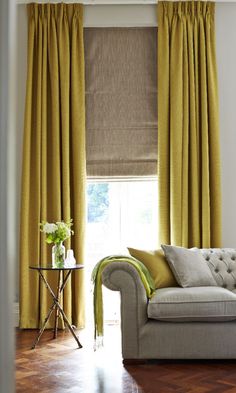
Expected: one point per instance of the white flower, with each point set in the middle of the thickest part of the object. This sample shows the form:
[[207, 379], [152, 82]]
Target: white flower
[[68, 232], [49, 228]]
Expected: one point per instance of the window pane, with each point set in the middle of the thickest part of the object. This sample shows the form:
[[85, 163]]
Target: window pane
[[120, 215], [98, 202]]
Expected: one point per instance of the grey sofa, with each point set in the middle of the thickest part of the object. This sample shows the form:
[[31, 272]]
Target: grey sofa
[[178, 323]]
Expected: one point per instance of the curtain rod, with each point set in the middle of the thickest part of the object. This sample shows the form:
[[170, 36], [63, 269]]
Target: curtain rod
[[105, 2]]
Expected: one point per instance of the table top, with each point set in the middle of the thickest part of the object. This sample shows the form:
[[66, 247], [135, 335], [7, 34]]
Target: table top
[[50, 267]]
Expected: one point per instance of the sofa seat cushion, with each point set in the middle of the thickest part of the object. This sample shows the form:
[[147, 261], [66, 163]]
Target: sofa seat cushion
[[193, 304]]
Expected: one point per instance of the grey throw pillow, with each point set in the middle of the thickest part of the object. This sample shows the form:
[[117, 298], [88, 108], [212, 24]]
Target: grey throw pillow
[[188, 266]]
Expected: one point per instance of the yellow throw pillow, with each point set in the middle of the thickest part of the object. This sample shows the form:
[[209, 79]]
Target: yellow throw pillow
[[157, 266]]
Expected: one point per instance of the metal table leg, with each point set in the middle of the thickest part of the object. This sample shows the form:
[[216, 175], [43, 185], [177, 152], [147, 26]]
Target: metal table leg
[[58, 299], [44, 325], [58, 309]]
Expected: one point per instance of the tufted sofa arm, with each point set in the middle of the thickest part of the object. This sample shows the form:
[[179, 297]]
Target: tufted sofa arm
[[123, 277]]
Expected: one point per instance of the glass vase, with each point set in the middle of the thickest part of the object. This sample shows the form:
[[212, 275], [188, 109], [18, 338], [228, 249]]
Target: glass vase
[[58, 255]]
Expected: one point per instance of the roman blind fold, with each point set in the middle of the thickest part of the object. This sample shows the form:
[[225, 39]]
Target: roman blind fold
[[121, 101]]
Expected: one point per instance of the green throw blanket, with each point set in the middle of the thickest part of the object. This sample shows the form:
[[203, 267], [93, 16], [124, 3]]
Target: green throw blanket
[[97, 280]]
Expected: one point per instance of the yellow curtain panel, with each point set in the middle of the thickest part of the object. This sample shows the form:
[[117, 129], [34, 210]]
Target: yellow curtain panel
[[54, 162], [188, 126]]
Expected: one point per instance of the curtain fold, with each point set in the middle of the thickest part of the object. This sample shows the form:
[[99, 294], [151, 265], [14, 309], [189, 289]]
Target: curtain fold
[[188, 126], [54, 162]]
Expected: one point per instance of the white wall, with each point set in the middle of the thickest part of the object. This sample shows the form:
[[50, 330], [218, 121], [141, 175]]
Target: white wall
[[226, 59], [146, 15], [120, 15], [7, 53], [20, 70]]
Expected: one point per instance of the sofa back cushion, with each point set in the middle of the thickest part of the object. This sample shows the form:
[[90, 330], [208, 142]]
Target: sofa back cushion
[[157, 266], [188, 266], [222, 262]]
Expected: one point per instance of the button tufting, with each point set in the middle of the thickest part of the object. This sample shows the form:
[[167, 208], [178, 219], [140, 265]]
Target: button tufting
[[229, 271], [207, 259], [221, 259], [224, 286], [233, 258]]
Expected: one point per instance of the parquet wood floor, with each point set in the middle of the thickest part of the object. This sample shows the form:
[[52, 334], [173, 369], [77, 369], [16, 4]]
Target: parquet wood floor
[[56, 366]]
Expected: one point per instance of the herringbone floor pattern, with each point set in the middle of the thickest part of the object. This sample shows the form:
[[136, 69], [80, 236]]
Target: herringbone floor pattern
[[56, 366]]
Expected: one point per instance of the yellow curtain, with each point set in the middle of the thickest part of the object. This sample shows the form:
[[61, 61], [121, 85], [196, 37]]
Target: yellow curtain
[[188, 126], [54, 169]]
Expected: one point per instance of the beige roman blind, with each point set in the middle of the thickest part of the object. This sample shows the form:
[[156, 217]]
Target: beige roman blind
[[121, 101]]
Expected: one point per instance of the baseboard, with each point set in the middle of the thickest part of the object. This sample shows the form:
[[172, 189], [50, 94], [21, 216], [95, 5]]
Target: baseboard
[[16, 314]]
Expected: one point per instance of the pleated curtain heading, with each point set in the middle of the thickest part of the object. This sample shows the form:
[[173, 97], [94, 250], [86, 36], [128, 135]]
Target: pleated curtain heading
[[188, 125], [54, 161]]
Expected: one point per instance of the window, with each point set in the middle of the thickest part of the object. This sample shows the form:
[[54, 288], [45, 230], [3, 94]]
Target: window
[[121, 143], [120, 214]]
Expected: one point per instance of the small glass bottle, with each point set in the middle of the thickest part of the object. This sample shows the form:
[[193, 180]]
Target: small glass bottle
[[70, 259]]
